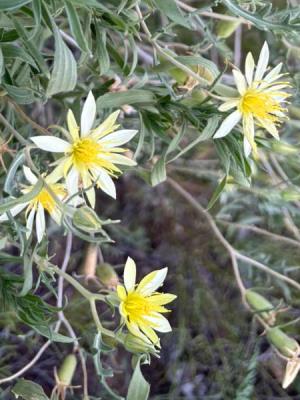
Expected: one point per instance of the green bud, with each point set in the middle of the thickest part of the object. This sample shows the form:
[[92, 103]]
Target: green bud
[[290, 195], [224, 29], [284, 148], [67, 369], [260, 304], [86, 219], [286, 345], [134, 344], [107, 275]]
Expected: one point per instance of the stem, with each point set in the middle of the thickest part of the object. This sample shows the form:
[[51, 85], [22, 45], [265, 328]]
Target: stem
[[164, 53], [96, 318], [231, 250], [16, 134]]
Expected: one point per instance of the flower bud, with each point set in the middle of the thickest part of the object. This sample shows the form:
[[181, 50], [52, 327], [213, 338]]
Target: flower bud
[[285, 344], [224, 29], [261, 305], [107, 275], [284, 148], [67, 369], [134, 344], [290, 195], [86, 219]]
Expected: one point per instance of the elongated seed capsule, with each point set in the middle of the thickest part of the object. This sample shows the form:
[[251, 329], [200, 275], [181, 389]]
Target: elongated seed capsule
[[260, 304], [225, 29], [286, 345], [67, 369], [89, 264]]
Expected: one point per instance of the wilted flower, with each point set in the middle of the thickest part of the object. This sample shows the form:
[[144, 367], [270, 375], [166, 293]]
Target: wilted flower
[[42, 202], [90, 154], [259, 102], [141, 307]]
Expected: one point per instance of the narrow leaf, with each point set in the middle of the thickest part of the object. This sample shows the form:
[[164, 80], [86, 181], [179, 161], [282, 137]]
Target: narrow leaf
[[75, 26]]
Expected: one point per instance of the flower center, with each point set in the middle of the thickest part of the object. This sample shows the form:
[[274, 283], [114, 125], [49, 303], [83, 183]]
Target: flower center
[[45, 198], [137, 306], [261, 104], [85, 151]]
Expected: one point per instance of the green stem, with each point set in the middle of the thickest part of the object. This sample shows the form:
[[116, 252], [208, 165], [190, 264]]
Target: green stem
[[97, 321], [13, 131]]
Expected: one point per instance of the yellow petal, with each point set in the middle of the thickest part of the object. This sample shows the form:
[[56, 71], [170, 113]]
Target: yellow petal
[[121, 292]]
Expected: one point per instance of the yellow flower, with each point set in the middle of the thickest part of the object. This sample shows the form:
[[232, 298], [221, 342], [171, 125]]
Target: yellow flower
[[42, 202], [90, 155], [141, 307], [259, 102]]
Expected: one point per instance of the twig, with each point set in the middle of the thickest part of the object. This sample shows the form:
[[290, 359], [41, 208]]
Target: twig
[[28, 365], [261, 231], [28, 119], [231, 250], [16, 134]]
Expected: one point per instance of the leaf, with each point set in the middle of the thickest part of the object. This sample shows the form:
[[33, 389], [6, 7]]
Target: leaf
[[29, 390], [12, 51], [75, 26], [159, 173], [101, 50], [64, 73], [131, 96], [171, 10], [219, 189], [21, 95], [6, 5], [51, 335], [10, 176], [30, 46], [26, 198], [206, 134], [139, 388], [1, 65]]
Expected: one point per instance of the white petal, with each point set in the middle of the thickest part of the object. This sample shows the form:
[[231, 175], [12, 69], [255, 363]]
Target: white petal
[[273, 74], [292, 369], [129, 274], [14, 211], [72, 125], [88, 114], [72, 181], [228, 105], [29, 223], [40, 222], [240, 81], [247, 147], [51, 143], [106, 183], [29, 175], [161, 323], [117, 138], [118, 159], [262, 62], [151, 282], [227, 125], [249, 68]]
